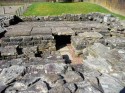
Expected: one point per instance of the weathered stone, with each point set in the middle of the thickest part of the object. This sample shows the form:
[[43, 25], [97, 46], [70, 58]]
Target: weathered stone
[[5, 39], [40, 18], [18, 61], [27, 38], [38, 37], [115, 56], [2, 29], [54, 68], [93, 35], [86, 87], [10, 90], [106, 18], [4, 64], [115, 42], [39, 87], [78, 68], [48, 37], [110, 84], [41, 31], [30, 51], [46, 45], [45, 69], [62, 31], [72, 76], [19, 86], [16, 39], [90, 72], [60, 89], [12, 73], [2, 87], [78, 44], [9, 51], [7, 23], [99, 64], [119, 75], [29, 81], [98, 50], [19, 30], [59, 82], [51, 79], [82, 84], [72, 87]]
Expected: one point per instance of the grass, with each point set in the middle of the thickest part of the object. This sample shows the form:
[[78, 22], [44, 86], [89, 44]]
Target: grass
[[50, 9]]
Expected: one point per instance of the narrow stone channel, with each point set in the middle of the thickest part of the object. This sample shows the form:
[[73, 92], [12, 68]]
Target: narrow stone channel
[[68, 54]]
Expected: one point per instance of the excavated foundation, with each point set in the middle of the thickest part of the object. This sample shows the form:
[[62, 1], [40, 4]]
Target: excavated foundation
[[29, 39], [63, 54]]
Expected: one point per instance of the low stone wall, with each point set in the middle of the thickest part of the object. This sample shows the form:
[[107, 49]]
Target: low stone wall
[[108, 19], [101, 17], [39, 43], [7, 20], [4, 18], [101, 72], [38, 31], [22, 9]]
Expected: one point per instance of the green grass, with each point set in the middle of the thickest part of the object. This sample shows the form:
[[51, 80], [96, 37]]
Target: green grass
[[50, 9]]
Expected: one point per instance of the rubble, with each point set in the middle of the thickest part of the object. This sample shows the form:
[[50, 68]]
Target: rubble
[[115, 42], [9, 51], [54, 68], [72, 76], [30, 61], [84, 40], [110, 84], [12, 73]]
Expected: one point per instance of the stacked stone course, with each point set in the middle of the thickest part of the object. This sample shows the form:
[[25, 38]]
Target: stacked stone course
[[34, 66]]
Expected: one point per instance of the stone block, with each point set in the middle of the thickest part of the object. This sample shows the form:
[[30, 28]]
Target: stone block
[[110, 84], [18, 30], [41, 31], [9, 51], [62, 31]]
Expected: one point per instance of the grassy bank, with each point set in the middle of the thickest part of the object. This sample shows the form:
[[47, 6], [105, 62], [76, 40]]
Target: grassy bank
[[44, 9]]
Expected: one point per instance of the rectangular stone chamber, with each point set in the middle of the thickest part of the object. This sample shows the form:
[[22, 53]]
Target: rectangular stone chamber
[[29, 40], [32, 38]]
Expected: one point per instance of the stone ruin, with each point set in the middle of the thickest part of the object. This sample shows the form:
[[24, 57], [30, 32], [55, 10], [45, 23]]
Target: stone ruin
[[81, 53]]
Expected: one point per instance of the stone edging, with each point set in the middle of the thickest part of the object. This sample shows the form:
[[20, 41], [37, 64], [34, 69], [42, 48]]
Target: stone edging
[[101, 17], [22, 9]]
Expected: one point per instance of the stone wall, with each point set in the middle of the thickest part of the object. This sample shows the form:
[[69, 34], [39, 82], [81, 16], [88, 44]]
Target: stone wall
[[20, 11], [38, 32], [117, 6], [96, 16], [7, 20]]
